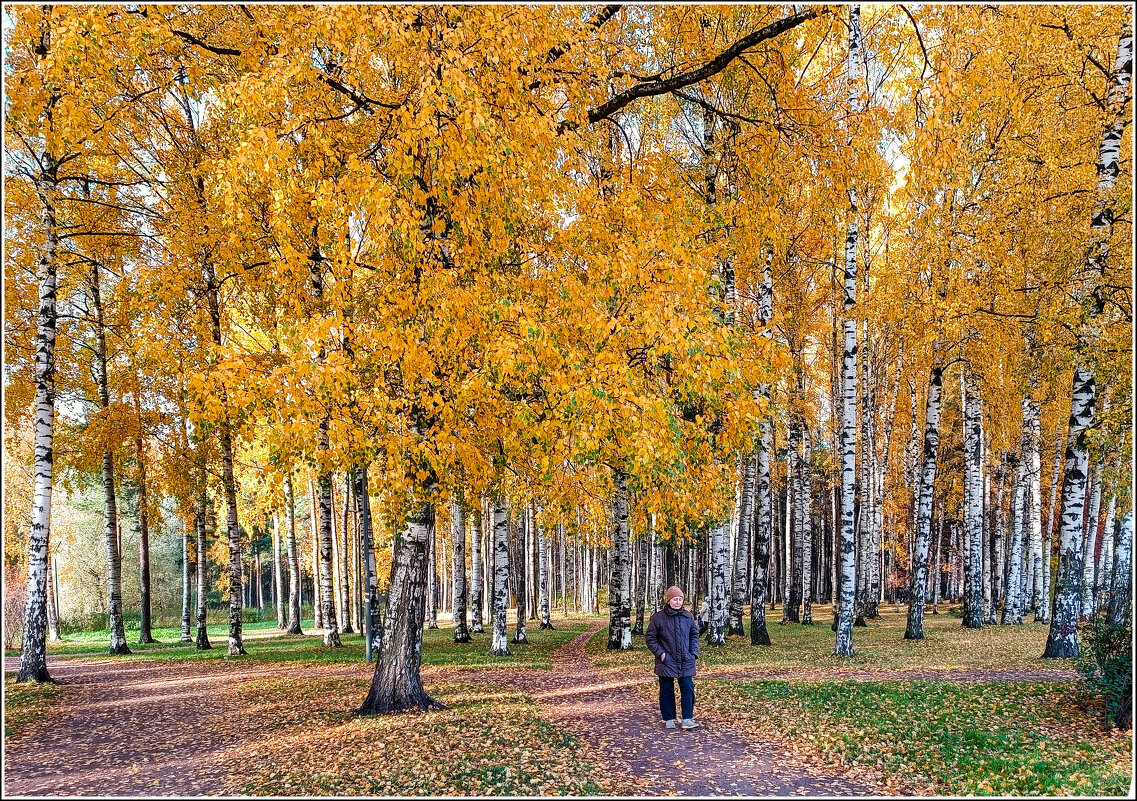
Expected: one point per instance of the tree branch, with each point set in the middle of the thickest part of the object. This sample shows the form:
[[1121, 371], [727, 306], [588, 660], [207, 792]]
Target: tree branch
[[713, 67]]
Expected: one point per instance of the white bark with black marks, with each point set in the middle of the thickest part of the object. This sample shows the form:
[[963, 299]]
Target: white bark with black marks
[[458, 556], [806, 521], [292, 625], [972, 501], [543, 602], [500, 643], [327, 588], [1104, 569], [476, 594], [1062, 641], [1013, 603], [763, 527], [1033, 457], [185, 634], [843, 645], [619, 591], [1043, 613], [1120, 604], [1089, 543], [926, 477], [742, 542]]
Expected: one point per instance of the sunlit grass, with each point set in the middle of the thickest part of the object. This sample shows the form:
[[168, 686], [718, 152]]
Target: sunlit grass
[[880, 645], [990, 738]]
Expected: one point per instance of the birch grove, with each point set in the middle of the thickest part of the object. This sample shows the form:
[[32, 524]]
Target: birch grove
[[557, 306]]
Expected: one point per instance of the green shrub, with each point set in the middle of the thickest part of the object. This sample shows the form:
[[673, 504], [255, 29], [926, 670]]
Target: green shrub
[[1106, 661]]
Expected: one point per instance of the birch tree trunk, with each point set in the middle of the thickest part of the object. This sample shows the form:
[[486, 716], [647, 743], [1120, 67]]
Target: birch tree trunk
[[277, 578], [1062, 641], [110, 504], [1104, 570], [144, 633], [500, 644], [372, 621], [1121, 586], [1012, 605], [999, 568], [186, 636], [642, 582], [292, 625], [794, 527], [1089, 543], [52, 601], [1043, 613], [973, 502], [314, 528], [476, 595], [806, 484], [33, 652], [458, 555], [926, 484], [742, 549], [619, 595], [843, 645], [200, 523], [1033, 456], [327, 590], [396, 684], [347, 596], [763, 499], [519, 586], [543, 602]]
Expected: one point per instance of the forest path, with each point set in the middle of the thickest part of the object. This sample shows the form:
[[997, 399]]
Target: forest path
[[615, 713], [140, 728]]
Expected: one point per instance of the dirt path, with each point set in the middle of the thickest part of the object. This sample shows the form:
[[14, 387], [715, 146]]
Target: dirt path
[[616, 715], [149, 727]]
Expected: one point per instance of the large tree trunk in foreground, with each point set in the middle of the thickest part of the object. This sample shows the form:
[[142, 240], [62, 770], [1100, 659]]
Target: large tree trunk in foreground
[[500, 643], [843, 645], [33, 652], [926, 484], [1062, 641], [396, 684], [619, 594]]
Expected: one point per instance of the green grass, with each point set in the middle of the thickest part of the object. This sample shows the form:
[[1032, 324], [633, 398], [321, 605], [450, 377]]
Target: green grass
[[25, 702], [264, 642], [1006, 738], [488, 741], [880, 645]]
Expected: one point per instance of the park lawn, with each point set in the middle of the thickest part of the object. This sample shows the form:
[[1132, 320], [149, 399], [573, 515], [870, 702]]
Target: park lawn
[[487, 741], [26, 702], [1017, 738], [878, 646], [264, 642]]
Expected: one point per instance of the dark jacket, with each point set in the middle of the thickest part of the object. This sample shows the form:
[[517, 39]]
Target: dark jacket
[[673, 632]]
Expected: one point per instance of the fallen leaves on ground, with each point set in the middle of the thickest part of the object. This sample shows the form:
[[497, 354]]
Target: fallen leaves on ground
[[488, 741]]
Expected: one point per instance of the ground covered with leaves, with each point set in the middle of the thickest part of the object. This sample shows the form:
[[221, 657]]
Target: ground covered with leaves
[[963, 712], [488, 741]]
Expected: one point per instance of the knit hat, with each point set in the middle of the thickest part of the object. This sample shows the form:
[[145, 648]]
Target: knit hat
[[672, 592]]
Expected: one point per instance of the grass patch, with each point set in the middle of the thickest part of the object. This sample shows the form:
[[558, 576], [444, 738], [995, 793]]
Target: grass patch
[[265, 642], [25, 702], [1007, 738], [488, 741], [880, 645]]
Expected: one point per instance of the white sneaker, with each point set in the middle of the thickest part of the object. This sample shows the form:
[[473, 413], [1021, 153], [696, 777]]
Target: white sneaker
[[669, 724], [691, 723]]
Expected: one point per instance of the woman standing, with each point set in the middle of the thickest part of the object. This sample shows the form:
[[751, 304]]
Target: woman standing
[[673, 636]]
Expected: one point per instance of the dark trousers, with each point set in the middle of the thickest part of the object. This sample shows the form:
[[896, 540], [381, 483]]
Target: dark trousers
[[667, 696]]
